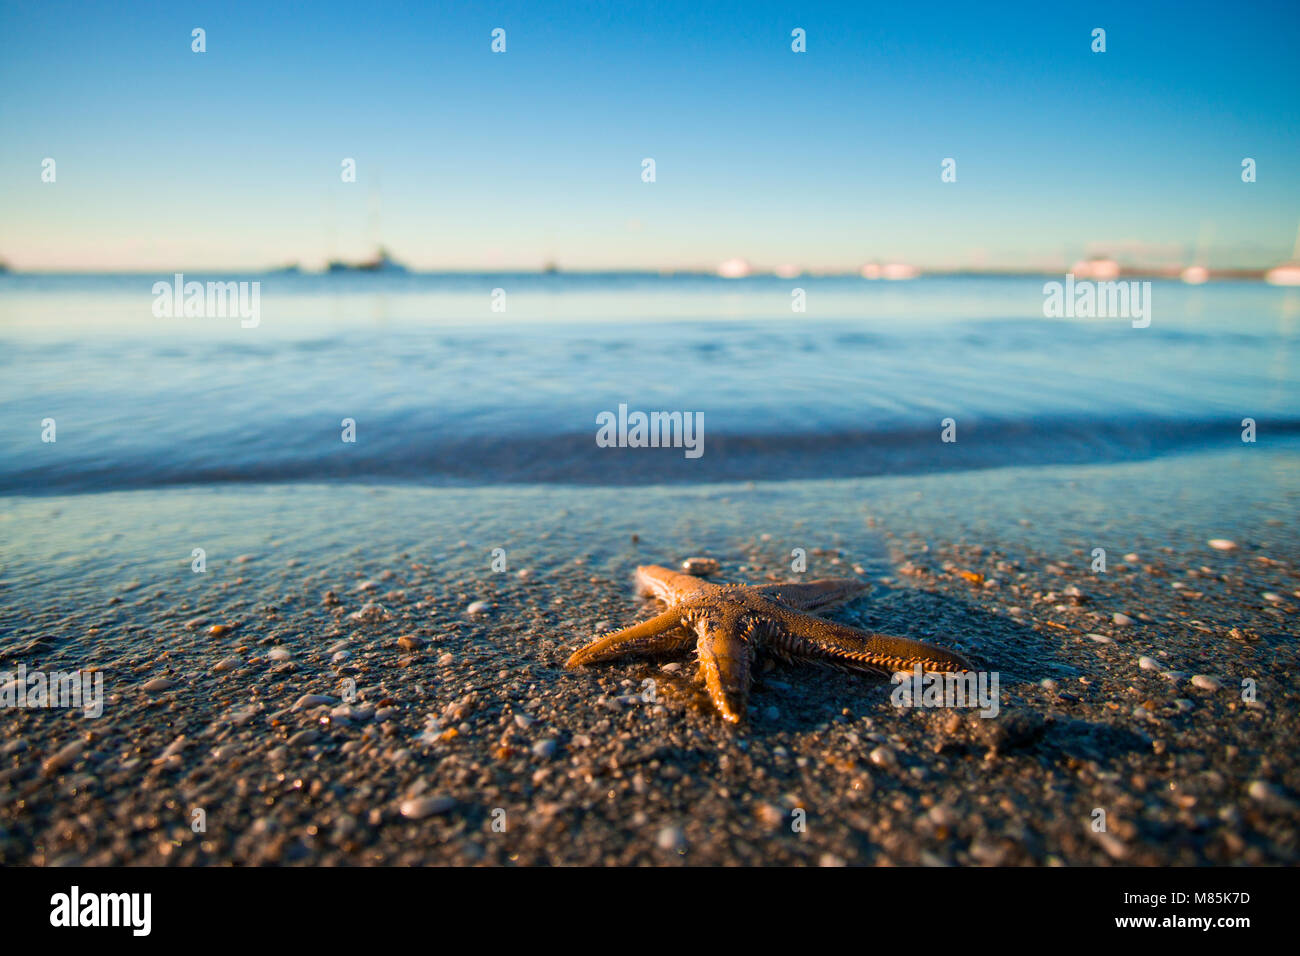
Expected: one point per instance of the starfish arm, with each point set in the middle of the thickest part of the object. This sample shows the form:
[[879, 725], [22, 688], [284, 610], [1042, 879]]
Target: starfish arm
[[725, 659], [659, 635], [815, 595], [805, 637], [672, 587]]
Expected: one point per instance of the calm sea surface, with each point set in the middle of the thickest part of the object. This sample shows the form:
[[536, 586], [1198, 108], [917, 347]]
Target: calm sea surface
[[444, 390]]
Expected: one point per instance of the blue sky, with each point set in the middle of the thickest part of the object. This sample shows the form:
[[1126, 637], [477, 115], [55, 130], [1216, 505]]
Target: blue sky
[[468, 159]]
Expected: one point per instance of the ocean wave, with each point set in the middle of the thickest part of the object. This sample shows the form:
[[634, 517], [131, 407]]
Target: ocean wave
[[399, 454]]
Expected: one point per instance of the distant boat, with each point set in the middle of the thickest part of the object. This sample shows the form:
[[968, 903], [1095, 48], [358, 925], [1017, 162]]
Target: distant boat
[[1195, 275], [734, 269], [1096, 268], [893, 271], [382, 262], [1286, 274], [896, 271]]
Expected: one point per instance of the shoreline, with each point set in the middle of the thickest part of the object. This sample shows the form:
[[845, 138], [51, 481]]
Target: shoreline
[[464, 708]]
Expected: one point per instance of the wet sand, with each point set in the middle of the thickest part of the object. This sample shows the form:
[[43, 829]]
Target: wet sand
[[465, 720]]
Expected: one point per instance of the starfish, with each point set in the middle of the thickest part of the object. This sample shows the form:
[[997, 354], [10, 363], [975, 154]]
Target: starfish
[[730, 623]]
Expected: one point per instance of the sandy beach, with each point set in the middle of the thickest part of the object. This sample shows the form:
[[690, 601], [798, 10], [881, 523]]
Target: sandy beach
[[466, 742]]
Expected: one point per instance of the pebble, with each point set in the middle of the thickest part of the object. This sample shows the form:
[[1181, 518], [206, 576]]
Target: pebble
[[313, 700], [545, 749], [64, 756], [218, 630], [226, 664], [159, 684], [1148, 664], [278, 654], [1266, 793], [1101, 638], [1205, 682], [672, 839], [1113, 846], [700, 566], [942, 816], [1122, 620], [173, 748], [478, 607], [409, 642], [304, 737], [369, 612], [420, 807], [883, 757], [1271, 597], [523, 721], [1222, 544]]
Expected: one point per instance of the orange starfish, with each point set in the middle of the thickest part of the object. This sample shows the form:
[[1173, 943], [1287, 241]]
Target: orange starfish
[[730, 623]]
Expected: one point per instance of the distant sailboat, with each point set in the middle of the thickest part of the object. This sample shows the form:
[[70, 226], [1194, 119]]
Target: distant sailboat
[[1097, 267], [734, 269], [382, 262], [1288, 273], [893, 271], [1198, 273]]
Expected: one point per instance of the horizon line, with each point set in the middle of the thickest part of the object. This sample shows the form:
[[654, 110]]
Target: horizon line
[[1152, 272]]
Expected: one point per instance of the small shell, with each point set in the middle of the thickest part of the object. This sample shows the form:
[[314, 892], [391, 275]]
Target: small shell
[[700, 566]]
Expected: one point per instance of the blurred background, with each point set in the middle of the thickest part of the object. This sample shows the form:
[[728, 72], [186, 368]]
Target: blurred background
[[501, 271]]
